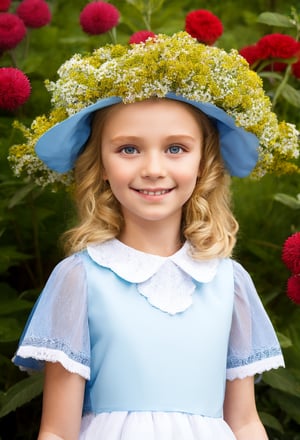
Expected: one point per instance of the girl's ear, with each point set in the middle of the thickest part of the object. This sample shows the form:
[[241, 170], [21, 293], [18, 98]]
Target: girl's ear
[[104, 175]]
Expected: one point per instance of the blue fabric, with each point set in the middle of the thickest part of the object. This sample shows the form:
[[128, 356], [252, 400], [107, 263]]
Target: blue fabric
[[59, 147], [147, 360], [138, 355]]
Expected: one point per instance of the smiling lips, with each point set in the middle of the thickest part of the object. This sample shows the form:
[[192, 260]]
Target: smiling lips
[[159, 192]]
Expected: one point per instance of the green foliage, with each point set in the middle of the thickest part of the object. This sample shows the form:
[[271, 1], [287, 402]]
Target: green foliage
[[20, 393], [264, 225], [31, 219]]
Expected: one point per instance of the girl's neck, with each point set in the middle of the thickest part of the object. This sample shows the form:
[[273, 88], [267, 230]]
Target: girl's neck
[[156, 240]]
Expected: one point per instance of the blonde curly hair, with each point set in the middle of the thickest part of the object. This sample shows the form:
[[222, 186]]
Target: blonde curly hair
[[207, 221]]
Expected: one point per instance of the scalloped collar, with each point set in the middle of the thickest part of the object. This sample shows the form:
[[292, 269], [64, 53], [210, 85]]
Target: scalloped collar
[[136, 266]]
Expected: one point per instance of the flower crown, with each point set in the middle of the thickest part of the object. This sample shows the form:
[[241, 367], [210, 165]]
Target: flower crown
[[177, 64]]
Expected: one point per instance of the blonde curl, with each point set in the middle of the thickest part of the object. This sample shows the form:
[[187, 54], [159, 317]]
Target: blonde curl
[[207, 222]]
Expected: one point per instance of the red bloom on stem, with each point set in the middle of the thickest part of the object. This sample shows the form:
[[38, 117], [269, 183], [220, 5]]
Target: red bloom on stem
[[296, 69], [141, 36], [4, 5], [34, 13], [12, 31], [278, 46], [99, 17], [14, 88], [296, 65], [250, 53], [293, 288], [203, 25], [291, 253]]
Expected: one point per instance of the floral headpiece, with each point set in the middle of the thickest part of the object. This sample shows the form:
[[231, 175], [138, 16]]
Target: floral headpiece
[[164, 64]]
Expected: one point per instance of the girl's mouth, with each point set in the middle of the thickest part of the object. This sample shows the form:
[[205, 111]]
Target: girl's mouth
[[159, 192]]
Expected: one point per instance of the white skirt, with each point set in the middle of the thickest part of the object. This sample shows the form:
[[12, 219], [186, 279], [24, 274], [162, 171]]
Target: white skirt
[[153, 426]]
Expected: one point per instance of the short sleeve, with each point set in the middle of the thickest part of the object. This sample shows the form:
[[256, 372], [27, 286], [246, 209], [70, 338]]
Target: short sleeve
[[57, 329], [253, 345]]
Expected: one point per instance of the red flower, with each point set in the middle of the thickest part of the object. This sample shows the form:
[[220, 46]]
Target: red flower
[[98, 17], [277, 46], [12, 31], [14, 88], [4, 5], [250, 53], [204, 26], [296, 69], [291, 253], [293, 288], [296, 66], [140, 37], [34, 13]]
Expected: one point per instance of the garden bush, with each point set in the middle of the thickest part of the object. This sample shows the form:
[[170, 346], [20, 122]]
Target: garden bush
[[32, 217]]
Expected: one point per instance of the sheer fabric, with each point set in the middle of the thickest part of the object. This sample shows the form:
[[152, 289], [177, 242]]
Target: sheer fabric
[[57, 330]]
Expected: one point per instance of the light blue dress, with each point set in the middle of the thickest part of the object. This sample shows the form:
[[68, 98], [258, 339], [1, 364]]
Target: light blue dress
[[155, 338]]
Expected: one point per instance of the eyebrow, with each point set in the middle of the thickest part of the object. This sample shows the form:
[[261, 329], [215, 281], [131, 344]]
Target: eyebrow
[[170, 138]]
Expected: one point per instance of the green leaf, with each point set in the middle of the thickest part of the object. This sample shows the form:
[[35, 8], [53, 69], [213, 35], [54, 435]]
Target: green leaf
[[15, 305], [271, 422], [282, 379], [289, 404], [285, 199], [284, 341], [291, 95], [275, 19], [21, 393], [10, 330], [146, 6], [271, 75], [20, 195], [9, 256]]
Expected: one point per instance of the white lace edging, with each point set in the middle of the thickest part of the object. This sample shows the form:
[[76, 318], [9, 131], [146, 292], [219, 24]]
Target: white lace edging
[[255, 368], [52, 355], [170, 289]]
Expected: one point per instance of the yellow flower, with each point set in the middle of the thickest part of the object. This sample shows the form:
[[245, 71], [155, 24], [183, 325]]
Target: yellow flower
[[177, 64]]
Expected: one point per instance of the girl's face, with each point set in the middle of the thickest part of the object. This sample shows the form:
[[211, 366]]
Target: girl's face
[[151, 153]]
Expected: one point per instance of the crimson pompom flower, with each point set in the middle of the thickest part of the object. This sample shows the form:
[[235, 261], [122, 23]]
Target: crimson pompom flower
[[296, 69], [277, 46], [293, 288], [291, 253], [99, 17], [250, 53], [141, 36], [296, 65], [12, 31], [4, 5], [34, 13], [14, 88], [203, 25]]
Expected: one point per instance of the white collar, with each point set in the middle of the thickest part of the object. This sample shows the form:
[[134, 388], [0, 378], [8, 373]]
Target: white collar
[[167, 282], [137, 266]]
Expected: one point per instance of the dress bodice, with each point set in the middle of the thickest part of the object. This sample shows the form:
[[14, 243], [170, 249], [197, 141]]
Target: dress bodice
[[145, 359]]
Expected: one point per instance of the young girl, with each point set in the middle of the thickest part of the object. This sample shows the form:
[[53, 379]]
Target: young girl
[[148, 329]]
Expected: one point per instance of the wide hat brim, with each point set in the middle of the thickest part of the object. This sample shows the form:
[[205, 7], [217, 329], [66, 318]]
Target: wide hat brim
[[60, 146]]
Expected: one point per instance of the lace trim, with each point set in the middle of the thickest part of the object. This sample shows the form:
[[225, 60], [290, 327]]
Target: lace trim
[[52, 355], [169, 289], [255, 368]]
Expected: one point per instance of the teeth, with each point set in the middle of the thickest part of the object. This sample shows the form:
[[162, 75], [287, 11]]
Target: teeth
[[154, 193]]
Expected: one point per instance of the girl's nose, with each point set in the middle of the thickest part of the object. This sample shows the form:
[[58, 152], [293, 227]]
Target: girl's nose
[[153, 166]]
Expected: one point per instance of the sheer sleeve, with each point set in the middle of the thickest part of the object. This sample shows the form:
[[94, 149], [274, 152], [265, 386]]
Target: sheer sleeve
[[253, 345], [57, 329]]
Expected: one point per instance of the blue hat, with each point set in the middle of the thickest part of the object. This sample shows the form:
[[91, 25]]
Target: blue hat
[[60, 146]]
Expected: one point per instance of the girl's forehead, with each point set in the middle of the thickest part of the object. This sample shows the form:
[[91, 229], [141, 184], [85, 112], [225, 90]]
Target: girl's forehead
[[151, 114], [150, 108]]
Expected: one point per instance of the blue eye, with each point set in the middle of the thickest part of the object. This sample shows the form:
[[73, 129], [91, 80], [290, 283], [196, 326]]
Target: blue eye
[[175, 149], [129, 149]]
